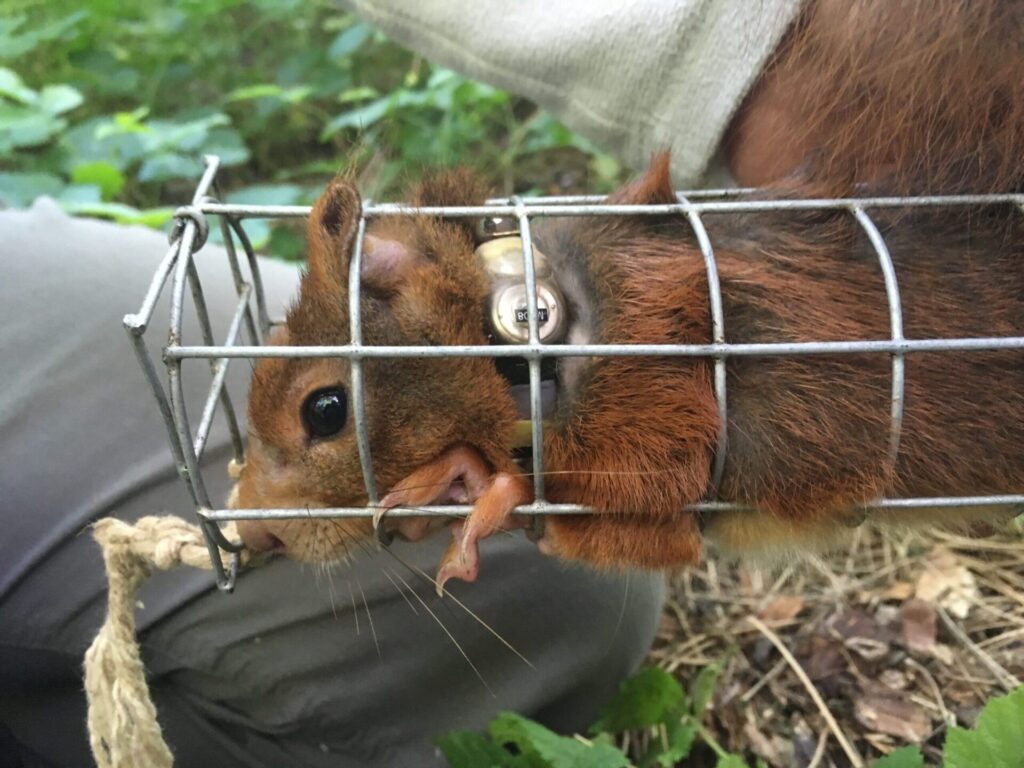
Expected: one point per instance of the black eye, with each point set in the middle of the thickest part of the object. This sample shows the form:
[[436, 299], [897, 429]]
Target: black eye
[[324, 412]]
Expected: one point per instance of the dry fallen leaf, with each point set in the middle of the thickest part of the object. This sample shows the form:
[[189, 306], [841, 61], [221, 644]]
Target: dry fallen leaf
[[919, 625], [782, 608], [894, 679], [896, 716], [946, 581], [898, 590]]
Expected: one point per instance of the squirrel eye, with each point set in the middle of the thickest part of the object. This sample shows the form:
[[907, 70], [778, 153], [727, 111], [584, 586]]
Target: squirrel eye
[[324, 412]]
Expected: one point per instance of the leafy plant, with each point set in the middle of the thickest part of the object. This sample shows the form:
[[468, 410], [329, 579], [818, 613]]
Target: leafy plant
[[655, 702], [109, 108]]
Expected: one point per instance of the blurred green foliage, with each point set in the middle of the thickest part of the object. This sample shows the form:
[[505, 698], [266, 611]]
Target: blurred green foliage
[[108, 107]]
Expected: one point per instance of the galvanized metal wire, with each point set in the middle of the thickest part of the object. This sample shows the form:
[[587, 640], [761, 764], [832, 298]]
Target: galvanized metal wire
[[189, 234]]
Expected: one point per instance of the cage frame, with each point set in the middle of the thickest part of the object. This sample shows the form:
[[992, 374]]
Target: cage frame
[[189, 233]]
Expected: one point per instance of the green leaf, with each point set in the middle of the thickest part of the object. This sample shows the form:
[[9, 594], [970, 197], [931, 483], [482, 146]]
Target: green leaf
[[285, 243], [26, 126], [463, 749], [349, 41], [170, 165], [154, 218], [703, 687], [904, 757], [105, 176], [361, 93], [76, 194], [12, 87], [228, 145], [646, 699], [266, 194], [997, 741], [126, 122], [545, 749], [362, 117], [249, 92], [731, 761], [18, 190], [58, 99], [679, 738], [14, 42]]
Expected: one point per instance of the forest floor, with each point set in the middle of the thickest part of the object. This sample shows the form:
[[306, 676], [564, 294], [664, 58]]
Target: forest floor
[[887, 643]]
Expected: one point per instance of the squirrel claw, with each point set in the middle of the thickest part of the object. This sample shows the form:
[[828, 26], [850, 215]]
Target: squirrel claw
[[461, 560]]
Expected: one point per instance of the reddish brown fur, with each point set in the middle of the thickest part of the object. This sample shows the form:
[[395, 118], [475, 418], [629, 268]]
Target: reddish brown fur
[[928, 91]]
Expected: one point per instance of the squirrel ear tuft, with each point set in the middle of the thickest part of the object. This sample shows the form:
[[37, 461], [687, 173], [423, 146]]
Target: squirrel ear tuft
[[653, 188], [331, 230]]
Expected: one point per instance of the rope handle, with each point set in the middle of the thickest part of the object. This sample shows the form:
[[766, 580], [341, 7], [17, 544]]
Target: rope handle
[[123, 729]]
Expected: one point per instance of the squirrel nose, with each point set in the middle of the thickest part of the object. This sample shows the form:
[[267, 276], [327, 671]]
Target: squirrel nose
[[257, 537]]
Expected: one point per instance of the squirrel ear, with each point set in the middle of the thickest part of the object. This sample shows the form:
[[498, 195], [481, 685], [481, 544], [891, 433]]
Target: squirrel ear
[[386, 264], [653, 188], [332, 229]]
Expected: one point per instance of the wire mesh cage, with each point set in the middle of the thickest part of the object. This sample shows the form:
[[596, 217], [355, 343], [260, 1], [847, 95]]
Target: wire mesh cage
[[251, 322]]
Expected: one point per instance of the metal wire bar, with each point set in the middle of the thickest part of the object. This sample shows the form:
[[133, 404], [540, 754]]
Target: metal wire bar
[[694, 194], [718, 337], [534, 359], [356, 363], [892, 295], [759, 349], [254, 271], [599, 209], [190, 470], [461, 510], [255, 334], [221, 372]]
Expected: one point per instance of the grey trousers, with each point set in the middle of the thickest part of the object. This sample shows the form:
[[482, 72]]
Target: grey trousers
[[297, 667]]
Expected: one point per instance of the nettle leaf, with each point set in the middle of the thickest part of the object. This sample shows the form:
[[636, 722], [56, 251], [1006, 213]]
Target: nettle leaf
[[80, 194], [84, 144], [14, 42], [361, 93], [904, 757], [155, 218], [996, 742], [267, 194], [26, 126], [349, 41], [105, 176], [648, 698], [170, 165], [18, 190], [183, 135], [228, 145], [546, 749], [463, 749], [58, 99], [731, 761], [360, 118], [703, 687], [259, 91], [676, 746], [13, 87]]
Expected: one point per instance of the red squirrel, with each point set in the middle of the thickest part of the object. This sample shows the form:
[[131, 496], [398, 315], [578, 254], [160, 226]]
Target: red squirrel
[[635, 437]]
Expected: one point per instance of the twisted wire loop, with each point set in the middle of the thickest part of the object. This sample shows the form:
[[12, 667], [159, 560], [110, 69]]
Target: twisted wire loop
[[123, 729], [182, 216]]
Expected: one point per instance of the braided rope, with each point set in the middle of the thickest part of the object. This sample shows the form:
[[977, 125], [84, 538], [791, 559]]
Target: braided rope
[[123, 730]]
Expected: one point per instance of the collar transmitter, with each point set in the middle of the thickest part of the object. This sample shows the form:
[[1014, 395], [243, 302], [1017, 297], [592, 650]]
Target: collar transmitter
[[506, 315]]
